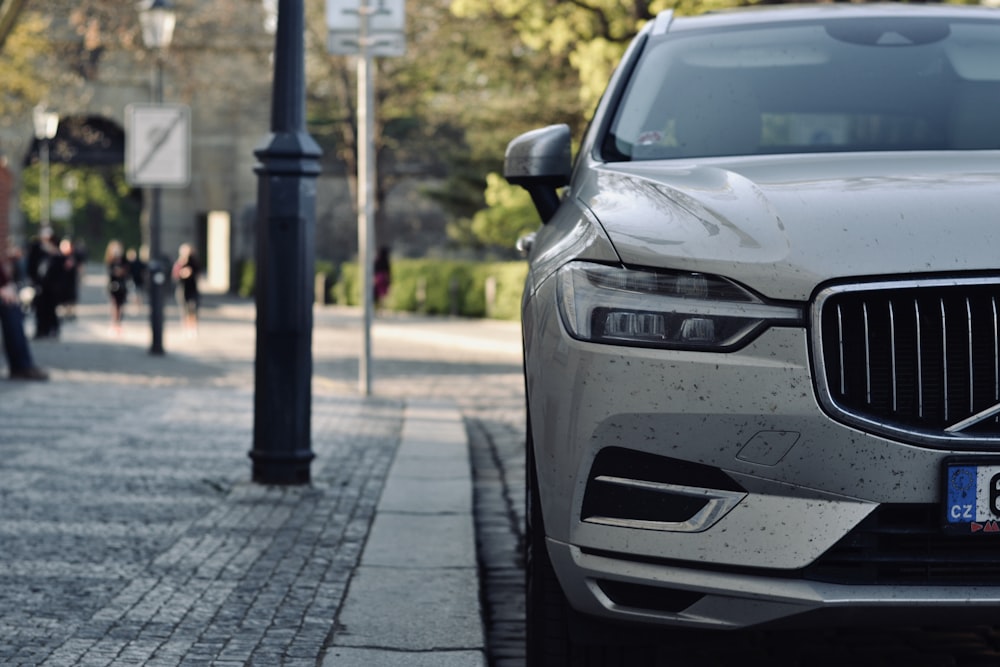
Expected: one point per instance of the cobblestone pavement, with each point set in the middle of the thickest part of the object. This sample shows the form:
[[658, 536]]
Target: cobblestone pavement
[[129, 533]]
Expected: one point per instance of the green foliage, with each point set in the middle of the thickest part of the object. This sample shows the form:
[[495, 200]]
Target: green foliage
[[436, 287], [325, 266], [446, 109], [509, 280], [593, 34], [248, 275], [22, 88], [103, 205], [347, 289], [510, 215], [248, 279]]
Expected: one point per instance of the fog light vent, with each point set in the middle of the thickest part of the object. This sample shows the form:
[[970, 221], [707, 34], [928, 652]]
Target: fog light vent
[[633, 489], [650, 598]]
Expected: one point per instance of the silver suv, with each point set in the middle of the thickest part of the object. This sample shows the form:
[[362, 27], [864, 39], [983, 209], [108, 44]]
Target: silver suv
[[762, 327]]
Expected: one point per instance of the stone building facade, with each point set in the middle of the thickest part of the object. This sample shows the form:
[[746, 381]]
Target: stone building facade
[[219, 65]]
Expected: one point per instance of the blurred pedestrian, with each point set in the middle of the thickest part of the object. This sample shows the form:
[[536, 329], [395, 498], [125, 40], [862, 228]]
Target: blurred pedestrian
[[45, 272], [69, 291], [383, 276], [17, 274], [18, 267], [185, 274], [118, 276], [15, 343], [137, 272]]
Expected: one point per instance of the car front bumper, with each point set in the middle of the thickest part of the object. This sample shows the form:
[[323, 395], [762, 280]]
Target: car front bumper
[[750, 414], [727, 600]]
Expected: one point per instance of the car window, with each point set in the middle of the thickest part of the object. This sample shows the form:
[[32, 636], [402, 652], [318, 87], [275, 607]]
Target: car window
[[899, 84]]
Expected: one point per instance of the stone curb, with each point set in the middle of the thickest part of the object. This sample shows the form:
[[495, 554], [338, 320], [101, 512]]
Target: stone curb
[[414, 599]]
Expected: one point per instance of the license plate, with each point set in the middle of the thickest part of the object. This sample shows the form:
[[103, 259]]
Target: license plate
[[972, 496]]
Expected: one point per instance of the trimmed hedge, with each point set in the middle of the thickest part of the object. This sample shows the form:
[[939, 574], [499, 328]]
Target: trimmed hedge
[[444, 287], [430, 286], [248, 275]]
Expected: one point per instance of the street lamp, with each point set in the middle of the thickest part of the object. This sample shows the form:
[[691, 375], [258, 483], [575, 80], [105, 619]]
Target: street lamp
[[270, 16], [286, 231], [46, 125], [157, 19]]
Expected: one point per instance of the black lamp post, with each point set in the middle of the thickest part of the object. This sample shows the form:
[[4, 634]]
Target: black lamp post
[[286, 222], [157, 19], [46, 126]]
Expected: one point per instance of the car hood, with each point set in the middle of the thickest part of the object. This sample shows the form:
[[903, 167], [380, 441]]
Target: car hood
[[784, 224]]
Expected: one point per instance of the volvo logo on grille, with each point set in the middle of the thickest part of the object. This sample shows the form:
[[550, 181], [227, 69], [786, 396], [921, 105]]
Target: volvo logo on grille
[[974, 419]]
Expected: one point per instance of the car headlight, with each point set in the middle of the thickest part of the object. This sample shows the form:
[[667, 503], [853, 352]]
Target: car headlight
[[677, 310]]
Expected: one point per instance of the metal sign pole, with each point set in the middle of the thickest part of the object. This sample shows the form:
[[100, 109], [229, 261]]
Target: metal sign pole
[[157, 264], [366, 29], [366, 191]]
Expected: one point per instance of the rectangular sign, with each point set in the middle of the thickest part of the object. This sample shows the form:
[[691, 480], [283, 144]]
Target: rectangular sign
[[158, 145], [382, 44], [383, 15], [385, 27]]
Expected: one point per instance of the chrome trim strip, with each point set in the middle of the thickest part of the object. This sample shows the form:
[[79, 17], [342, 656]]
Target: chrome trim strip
[[996, 353], [892, 360], [972, 383], [840, 333], [944, 357], [920, 359], [868, 357], [719, 504]]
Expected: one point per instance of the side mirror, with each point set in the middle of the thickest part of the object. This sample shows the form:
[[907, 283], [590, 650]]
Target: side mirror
[[525, 243], [540, 162]]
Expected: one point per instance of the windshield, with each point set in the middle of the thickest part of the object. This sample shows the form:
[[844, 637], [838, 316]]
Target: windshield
[[878, 84]]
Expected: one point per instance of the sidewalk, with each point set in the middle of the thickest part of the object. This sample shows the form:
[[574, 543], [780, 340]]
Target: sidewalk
[[130, 534]]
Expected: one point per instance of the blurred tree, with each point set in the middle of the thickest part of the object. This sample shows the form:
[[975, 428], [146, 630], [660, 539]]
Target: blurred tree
[[592, 34], [509, 215], [102, 204], [10, 11], [220, 52], [26, 46], [446, 109]]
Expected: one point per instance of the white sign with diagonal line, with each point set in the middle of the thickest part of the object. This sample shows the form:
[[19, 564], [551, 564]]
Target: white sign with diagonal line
[[384, 23], [158, 145]]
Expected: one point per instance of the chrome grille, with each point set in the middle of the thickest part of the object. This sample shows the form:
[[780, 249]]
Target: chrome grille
[[917, 360]]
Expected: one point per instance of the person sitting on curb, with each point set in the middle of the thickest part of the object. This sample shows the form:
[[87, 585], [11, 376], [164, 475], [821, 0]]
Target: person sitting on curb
[[15, 342]]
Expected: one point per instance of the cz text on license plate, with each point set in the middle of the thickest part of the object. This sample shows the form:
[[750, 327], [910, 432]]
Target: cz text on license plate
[[972, 496]]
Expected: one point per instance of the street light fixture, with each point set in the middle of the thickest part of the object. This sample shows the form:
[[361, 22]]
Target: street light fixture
[[46, 126], [270, 16], [157, 19]]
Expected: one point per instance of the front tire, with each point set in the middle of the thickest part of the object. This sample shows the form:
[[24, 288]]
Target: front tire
[[547, 609], [558, 636]]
